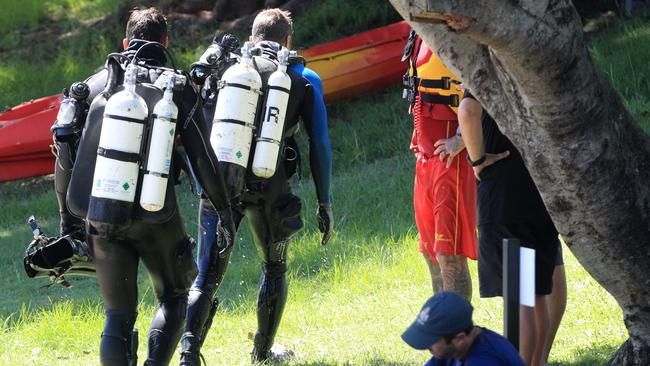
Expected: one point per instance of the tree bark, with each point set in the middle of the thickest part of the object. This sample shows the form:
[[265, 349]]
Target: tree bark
[[527, 63]]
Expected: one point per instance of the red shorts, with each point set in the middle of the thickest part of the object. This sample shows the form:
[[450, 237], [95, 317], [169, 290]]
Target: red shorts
[[445, 201]]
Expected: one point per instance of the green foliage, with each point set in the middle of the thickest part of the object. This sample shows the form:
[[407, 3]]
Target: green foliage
[[81, 9], [333, 19], [24, 13]]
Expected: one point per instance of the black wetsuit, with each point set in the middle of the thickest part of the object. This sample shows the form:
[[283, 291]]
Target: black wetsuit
[[273, 214], [159, 239]]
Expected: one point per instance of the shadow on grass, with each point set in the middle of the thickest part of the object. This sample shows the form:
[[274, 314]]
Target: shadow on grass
[[595, 356]]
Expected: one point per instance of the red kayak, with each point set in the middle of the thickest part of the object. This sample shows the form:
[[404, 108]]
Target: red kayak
[[25, 139], [350, 66], [365, 62]]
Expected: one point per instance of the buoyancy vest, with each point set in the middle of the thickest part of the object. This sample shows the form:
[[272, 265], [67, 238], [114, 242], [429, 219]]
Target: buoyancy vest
[[429, 78], [81, 182]]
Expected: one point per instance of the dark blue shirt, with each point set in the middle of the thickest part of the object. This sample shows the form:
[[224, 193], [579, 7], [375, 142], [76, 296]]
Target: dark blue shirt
[[488, 349]]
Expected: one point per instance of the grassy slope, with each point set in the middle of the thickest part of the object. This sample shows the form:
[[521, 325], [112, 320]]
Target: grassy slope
[[349, 302]]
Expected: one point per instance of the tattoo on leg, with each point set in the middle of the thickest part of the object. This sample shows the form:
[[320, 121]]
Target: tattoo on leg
[[436, 275], [455, 275]]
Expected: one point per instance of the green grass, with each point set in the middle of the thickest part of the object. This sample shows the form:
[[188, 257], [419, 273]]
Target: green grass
[[348, 302], [623, 58]]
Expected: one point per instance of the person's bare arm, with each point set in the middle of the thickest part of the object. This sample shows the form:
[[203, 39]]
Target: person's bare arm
[[469, 120]]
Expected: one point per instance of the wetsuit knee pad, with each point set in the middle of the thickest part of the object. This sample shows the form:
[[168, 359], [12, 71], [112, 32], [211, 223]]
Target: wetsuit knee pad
[[116, 346], [286, 219]]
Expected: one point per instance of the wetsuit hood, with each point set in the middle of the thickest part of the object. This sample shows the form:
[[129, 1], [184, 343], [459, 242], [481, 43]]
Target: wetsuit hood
[[152, 54]]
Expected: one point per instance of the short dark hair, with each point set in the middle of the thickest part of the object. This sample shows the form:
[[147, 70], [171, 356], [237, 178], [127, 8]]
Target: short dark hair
[[467, 330], [272, 25], [148, 24]]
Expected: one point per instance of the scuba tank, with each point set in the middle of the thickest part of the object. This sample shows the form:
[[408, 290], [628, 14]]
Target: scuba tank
[[234, 118], [71, 112], [118, 157], [161, 145], [268, 144]]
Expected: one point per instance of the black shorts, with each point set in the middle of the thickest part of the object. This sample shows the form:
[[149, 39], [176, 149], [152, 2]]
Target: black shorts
[[542, 238], [559, 259]]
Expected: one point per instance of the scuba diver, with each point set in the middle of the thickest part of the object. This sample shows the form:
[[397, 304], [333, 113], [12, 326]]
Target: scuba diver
[[261, 191], [122, 184]]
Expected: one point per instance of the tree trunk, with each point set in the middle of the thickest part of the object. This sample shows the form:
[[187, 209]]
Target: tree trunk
[[526, 62]]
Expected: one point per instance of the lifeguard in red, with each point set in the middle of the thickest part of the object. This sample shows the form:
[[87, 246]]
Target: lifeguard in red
[[444, 197]]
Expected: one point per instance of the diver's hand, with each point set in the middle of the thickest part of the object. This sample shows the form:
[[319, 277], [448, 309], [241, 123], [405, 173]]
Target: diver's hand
[[325, 218], [226, 232]]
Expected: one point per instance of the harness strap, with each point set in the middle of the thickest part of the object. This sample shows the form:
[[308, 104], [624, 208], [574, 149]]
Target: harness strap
[[451, 100], [444, 83]]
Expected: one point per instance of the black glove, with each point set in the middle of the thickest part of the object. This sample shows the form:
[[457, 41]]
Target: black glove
[[325, 218], [226, 232]]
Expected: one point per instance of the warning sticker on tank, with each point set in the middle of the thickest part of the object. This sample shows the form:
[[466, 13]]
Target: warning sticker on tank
[[115, 179], [231, 142]]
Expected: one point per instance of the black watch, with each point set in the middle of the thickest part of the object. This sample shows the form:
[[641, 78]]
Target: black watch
[[476, 162]]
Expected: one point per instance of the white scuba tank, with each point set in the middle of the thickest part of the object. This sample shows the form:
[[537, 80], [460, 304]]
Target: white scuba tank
[[234, 117], [118, 156], [268, 143], [159, 153]]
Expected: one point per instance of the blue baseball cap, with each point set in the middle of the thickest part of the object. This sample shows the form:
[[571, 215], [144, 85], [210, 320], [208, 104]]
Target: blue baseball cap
[[445, 314]]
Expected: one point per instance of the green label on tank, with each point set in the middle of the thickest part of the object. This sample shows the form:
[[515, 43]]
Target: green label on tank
[[239, 154], [126, 186], [171, 132]]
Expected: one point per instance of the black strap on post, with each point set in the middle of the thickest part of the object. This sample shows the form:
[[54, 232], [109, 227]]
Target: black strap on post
[[511, 290]]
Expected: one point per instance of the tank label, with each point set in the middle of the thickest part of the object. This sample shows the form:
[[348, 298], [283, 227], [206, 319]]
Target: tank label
[[231, 142], [115, 179]]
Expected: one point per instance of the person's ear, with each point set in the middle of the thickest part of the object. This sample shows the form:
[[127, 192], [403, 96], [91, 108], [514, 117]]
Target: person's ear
[[459, 338], [125, 43]]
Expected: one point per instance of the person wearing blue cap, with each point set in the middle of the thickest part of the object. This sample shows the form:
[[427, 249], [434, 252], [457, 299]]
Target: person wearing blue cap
[[444, 326]]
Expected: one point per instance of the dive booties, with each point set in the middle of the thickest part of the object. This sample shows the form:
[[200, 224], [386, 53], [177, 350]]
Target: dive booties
[[54, 257]]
